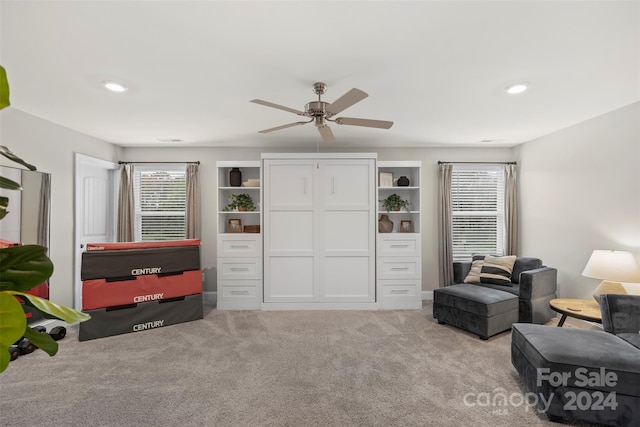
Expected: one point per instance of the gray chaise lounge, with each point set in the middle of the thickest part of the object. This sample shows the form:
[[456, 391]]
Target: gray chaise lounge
[[584, 374]]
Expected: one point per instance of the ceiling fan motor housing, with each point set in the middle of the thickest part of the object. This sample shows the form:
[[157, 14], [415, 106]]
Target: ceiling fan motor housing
[[316, 108]]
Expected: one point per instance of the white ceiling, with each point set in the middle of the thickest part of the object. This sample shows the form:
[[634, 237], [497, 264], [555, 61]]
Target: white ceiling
[[437, 69]]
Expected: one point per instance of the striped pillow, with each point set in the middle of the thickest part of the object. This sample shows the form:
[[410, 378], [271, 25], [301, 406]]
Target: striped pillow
[[497, 270], [474, 274]]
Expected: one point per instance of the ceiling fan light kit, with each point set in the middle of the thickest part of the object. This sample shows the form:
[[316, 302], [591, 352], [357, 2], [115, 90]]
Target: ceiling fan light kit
[[321, 112]]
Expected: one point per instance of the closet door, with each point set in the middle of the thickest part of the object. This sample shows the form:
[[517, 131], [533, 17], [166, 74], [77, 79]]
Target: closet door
[[346, 216], [289, 230]]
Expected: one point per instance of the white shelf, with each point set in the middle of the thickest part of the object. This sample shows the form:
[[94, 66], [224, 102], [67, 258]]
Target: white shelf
[[239, 257], [399, 261]]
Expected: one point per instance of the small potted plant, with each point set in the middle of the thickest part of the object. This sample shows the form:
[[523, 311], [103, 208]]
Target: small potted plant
[[395, 203], [241, 202]]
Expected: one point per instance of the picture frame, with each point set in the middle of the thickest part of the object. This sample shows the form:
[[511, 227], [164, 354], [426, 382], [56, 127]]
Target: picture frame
[[234, 225], [405, 226], [385, 179]]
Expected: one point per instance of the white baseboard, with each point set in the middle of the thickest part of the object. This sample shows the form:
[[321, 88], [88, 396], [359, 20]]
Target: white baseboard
[[212, 297]]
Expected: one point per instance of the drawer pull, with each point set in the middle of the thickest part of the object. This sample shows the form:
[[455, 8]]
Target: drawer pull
[[239, 269], [400, 246], [399, 268], [239, 246], [399, 291], [239, 292]]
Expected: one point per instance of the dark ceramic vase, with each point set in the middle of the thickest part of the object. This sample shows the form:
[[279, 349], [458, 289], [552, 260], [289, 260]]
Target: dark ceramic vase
[[235, 177], [403, 181]]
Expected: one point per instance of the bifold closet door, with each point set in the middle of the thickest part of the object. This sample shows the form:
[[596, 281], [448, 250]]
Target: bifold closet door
[[289, 231], [319, 230]]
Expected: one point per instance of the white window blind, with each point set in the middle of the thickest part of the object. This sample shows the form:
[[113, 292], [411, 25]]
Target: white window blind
[[477, 210], [160, 199]]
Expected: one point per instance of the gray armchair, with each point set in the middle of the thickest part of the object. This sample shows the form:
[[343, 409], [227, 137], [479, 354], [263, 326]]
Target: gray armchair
[[621, 316], [534, 285]]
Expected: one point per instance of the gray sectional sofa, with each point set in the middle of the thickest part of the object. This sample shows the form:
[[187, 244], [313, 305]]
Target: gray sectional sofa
[[585, 374], [487, 309]]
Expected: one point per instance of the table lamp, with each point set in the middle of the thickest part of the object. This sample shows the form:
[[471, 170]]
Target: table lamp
[[612, 267]]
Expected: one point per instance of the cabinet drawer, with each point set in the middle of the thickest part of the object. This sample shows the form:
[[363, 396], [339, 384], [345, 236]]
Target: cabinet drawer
[[400, 288], [394, 268], [242, 245], [398, 246], [239, 292], [400, 294], [239, 268]]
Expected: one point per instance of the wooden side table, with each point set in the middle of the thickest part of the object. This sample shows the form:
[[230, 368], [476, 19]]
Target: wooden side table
[[579, 308]]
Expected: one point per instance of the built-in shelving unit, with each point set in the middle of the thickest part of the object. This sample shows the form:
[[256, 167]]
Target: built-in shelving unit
[[239, 252], [399, 254]]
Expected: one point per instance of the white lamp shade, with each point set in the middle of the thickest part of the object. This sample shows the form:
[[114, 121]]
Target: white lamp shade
[[614, 266]]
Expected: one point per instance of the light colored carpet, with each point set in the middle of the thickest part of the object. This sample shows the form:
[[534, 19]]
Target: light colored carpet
[[283, 368]]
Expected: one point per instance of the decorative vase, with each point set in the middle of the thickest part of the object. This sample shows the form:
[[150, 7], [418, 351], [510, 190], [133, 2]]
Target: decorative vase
[[403, 181], [235, 177], [385, 225]]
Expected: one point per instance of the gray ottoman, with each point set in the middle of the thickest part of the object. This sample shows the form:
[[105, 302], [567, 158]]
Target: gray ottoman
[[482, 311]]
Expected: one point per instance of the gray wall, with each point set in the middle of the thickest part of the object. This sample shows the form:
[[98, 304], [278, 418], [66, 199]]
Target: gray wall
[[580, 191], [51, 149]]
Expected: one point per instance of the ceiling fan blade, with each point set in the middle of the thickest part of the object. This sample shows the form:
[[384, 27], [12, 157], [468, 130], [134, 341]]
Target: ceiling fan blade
[[346, 101], [326, 133], [283, 127], [279, 107], [382, 124]]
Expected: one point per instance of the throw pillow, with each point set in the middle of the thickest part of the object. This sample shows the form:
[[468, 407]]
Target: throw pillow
[[497, 270], [474, 274]]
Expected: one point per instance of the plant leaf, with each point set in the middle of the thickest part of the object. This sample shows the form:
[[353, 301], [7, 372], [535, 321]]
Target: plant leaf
[[42, 340], [23, 267], [4, 204], [13, 323], [52, 310], [9, 184], [4, 89], [9, 155]]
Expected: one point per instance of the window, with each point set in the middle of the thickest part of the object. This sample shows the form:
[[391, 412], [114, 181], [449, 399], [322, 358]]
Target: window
[[477, 210], [160, 199]]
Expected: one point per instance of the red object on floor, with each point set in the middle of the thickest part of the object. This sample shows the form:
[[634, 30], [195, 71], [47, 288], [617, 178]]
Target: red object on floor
[[42, 290], [141, 245], [100, 293]]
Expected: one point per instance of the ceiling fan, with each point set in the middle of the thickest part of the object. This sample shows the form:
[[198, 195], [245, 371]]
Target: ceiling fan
[[322, 112]]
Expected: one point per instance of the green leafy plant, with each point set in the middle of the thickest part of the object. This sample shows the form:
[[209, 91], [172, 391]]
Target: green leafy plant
[[241, 202], [22, 268], [395, 203]]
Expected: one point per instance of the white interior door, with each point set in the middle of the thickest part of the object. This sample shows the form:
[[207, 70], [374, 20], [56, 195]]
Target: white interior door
[[95, 206]]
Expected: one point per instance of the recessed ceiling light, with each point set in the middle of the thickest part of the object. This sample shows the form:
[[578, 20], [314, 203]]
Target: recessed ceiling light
[[517, 88], [170, 140], [114, 86]]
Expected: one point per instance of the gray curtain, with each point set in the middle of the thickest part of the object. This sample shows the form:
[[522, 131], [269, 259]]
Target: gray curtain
[[510, 210], [44, 210], [126, 206], [445, 245], [192, 213]]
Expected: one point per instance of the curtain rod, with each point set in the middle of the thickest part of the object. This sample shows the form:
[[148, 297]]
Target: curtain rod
[[120, 162], [481, 163]]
